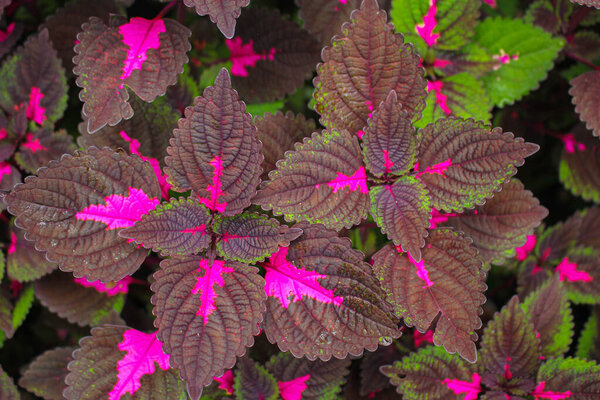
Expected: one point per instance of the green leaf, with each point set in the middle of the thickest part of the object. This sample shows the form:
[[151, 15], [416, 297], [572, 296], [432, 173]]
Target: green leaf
[[588, 345], [22, 306], [263, 108]]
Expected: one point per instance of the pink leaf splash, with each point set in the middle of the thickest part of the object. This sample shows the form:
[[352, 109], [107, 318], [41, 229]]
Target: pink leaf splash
[[527, 248], [5, 169], [32, 144], [226, 381], [420, 338], [243, 55], [507, 373], [292, 390], [439, 168], [540, 393], [5, 34], [503, 58], [111, 289], [139, 35], [422, 272], [425, 28], [119, 211], [134, 148], [440, 63], [205, 285], [215, 189], [437, 218], [440, 98], [143, 351], [13, 243], [568, 270], [35, 112], [571, 144], [3, 133], [491, 3], [388, 164], [201, 229], [471, 389], [288, 283], [356, 181]]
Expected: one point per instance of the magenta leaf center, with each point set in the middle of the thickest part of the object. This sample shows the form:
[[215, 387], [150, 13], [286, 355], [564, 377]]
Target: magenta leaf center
[[140, 35], [568, 270], [243, 55], [471, 389], [356, 181], [215, 189], [425, 28], [205, 285], [540, 393], [292, 390]]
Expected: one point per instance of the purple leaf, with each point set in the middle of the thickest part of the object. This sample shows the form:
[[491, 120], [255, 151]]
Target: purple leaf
[[318, 288], [88, 184], [9, 176], [45, 376], [175, 228], [215, 151], [8, 389], [9, 36], [221, 12], [43, 146], [358, 72], [371, 378], [323, 181], [206, 315], [586, 104], [253, 381], [448, 280], [562, 378], [23, 262], [146, 55], [462, 162], [324, 18], [580, 159]]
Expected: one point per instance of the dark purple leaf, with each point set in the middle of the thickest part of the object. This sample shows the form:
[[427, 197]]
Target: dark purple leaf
[[541, 13], [322, 181], [93, 194], [580, 160], [580, 272], [9, 36], [358, 72], [45, 376], [371, 378], [462, 162], [324, 18], [448, 280], [268, 46], [206, 315], [24, 263], [323, 299], [221, 12], [8, 389], [112, 57], [587, 105], [41, 147], [215, 151], [9, 176], [581, 229], [562, 378], [253, 382], [585, 44]]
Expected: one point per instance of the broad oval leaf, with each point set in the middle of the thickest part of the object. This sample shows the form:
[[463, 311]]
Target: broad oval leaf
[[358, 71], [221, 12], [253, 381], [23, 262], [75, 207], [448, 280], [117, 360], [8, 389], [562, 378], [587, 105], [215, 151], [462, 162], [323, 299], [322, 181], [179, 227], [324, 18], [206, 315], [45, 376], [144, 55]]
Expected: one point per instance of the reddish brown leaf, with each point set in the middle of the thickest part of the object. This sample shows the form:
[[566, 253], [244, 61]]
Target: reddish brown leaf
[[587, 104], [221, 12], [45, 376], [324, 18]]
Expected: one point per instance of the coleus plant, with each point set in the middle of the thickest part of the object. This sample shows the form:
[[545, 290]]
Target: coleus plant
[[241, 220]]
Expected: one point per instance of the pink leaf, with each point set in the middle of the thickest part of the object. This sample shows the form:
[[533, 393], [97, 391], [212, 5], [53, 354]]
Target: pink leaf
[[491, 3], [539, 393], [111, 289], [215, 189], [226, 381], [292, 390], [120, 211], [422, 272], [356, 181], [140, 35], [471, 389], [32, 144], [143, 351], [571, 144], [388, 164], [205, 285], [420, 338], [438, 168], [440, 98], [243, 55], [4, 35], [425, 29], [523, 251], [4, 169], [568, 270], [437, 218], [13, 243], [35, 112]]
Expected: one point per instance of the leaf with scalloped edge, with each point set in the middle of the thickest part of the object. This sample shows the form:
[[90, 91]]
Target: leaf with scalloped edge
[[222, 12], [250, 237], [524, 55], [433, 373], [579, 164], [42, 146], [585, 44], [322, 181], [541, 13], [117, 360], [267, 45], [215, 151], [389, 141], [278, 132], [144, 55], [588, 345], [580, 272], [253, 381], [8, 389], [9, 36], [500, 225], [463, 162], [324, 18], [179, 227], [206, 315], [299, 378], [93, 194], [34, 81], [323, 299], [448, 280], [587, 104], [45, 376], [442, 24], [589, 3], [561, 378], [371, 378], [402, 212], [23, 262], [358, 72]]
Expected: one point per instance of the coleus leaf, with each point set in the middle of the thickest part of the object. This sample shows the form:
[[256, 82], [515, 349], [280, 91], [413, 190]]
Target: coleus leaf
[[541, 13], [463, 162], [267, 45], [10, 36], [41, 147], [589, 3], [524, 54], [371, 378], [322, 298], [471, 58], [117, 360], [37, 81], [278, 132], [586, 104], [580, 159], [324, 18], [94, 194], [322, 181], [145, 55], [581, 275], [433, 373], [448, 280], [253, 381], [251, 237], [358, 72], [175, 228], [22, 306], [6, 309], [8, 389], [206, 314], [585, 44], [561, 378], [221, 12], [9, 177], [548, 310], [215, 151], [23, 262], [588, 345], [298, 378], [45, 376]]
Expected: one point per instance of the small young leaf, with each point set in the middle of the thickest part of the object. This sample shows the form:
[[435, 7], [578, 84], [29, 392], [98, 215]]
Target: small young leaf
[[41, 147], [561, 378], [541, 13], [45, 376], [587, 105], [371, 378], [324, 18], [221, 12], [8, 389], [253, 381], [24, 263]]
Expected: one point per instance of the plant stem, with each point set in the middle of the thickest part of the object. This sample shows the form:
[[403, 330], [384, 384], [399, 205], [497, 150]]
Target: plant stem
[[166, 9], [582, 60]]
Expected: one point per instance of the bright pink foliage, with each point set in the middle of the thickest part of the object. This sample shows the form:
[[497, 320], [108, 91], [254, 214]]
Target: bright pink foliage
[[437, 218], [243, 55], [5, 169], [425, 28], [568, 270], [32, 144], [440, 63], [205, 285], [143, 351], [356, 181], [288, 283], [35, 112], [111, 289], [226, 381], [491, 3], [388, 164], [120, 211], [420, 338], [5, 34], [440, 98], [13, 243], [439, 168], [571, 144], [215, 189], [292, 390], [139, 35], [201, 229], [3, 133], [471, 389], [422, 272], [504, 58], [540, 393], [527, 248], [507, 373]]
